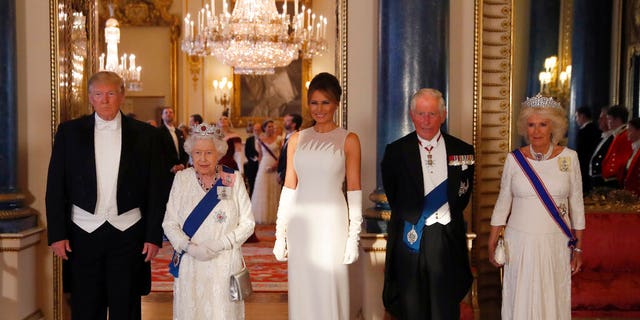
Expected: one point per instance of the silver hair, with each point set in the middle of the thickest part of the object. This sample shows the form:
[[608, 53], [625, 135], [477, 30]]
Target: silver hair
[[431, 92], [557, 116], [220, 145]]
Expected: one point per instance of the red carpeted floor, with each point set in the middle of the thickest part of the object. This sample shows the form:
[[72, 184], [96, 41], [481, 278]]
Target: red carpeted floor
[[267, 274]]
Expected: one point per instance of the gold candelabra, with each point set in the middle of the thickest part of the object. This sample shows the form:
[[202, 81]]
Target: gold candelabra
[[222, 90], [555, 82]]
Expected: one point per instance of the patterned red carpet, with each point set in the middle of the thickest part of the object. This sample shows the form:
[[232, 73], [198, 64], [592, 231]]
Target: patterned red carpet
[[267, 274]]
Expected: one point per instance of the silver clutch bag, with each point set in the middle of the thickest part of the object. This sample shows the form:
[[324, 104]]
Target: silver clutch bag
[[240, 284]]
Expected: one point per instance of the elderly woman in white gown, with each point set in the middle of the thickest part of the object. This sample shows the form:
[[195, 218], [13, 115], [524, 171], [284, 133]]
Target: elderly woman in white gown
[[201, 290], [540, 256]]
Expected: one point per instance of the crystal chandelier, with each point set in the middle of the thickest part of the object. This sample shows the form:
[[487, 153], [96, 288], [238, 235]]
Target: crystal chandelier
[[125, 66], [255, 38]]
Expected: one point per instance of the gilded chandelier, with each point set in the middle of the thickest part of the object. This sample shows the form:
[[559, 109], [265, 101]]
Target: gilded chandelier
[[554, 82], [255, 38]]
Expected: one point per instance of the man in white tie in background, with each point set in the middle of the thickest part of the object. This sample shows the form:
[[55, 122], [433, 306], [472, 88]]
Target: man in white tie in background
[[292, 123]]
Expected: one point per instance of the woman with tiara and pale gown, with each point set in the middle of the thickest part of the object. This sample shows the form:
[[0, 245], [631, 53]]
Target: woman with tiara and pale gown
[[266, 191], [318, 228]]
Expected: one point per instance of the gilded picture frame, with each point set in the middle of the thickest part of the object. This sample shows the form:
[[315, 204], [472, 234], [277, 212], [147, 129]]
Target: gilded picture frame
[[261, 97]]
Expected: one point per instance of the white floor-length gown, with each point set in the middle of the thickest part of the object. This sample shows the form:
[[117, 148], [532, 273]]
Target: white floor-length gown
[[537, 274], [318, 228], [202, 289], [266, 192]]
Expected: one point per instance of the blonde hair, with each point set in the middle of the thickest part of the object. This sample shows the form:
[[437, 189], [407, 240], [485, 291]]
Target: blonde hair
[[106, 77], [556, 115]]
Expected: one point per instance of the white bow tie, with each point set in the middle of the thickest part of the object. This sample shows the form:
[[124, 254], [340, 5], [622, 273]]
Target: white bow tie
[[102, 125]]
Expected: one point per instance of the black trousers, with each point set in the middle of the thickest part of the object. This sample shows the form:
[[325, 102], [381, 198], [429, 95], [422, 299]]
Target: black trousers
[[424, 278], [105, 269]]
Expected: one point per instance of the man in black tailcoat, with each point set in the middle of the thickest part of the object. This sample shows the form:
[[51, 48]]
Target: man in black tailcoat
[[104, 206], [428, 178]]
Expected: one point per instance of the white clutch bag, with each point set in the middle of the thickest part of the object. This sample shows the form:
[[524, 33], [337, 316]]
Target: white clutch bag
[[500, 255]]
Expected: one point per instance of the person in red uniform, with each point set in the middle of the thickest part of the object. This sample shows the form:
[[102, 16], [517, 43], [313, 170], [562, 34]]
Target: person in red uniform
[[613, 165], [632, 177]]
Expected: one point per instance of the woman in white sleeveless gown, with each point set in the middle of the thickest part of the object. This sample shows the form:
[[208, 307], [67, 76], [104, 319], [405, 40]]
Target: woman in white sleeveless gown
[[266, 191], [317, 228]]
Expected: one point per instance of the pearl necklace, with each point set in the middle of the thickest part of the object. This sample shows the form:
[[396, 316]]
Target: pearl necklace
[[539, 156]]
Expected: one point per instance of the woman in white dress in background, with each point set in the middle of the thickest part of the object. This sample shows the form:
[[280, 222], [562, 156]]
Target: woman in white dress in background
[[539, 263], [201, 291], [266, 191], [317, 229]]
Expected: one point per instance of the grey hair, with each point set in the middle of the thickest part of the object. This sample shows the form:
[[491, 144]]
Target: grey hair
[[431, 92], [220, 145], [558, 117]]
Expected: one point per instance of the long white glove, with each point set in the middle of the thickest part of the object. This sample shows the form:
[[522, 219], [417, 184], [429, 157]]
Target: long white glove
[[284, 207], [354, 200], [199, 252], [216, 245]]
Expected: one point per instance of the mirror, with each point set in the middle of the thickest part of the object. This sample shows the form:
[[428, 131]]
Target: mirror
[[77, 37]]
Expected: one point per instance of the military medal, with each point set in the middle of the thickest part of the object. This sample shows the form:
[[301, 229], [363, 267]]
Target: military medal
[[412, 235], [429, 161]]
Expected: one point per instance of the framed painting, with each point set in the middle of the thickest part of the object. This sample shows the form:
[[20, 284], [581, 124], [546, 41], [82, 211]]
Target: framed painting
[[261, 97]]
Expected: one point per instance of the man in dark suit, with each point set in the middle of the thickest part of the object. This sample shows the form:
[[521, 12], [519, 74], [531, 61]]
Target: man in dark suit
[[587, 140], [104, 208], [172, 143], [292, 123], [428, 177], [250, 152], [604, 142]]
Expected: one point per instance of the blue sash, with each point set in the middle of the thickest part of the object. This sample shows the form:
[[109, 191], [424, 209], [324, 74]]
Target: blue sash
[[195, 220], [544, 196], [432, 202]]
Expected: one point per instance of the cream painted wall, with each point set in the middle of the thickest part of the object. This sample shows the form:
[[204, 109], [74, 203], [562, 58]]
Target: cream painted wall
[[34, 123], [34, 141]]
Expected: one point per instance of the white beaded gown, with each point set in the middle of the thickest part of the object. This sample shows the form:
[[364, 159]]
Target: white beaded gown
[[537, 273], [318, 228], [266, 192], [202, 289]]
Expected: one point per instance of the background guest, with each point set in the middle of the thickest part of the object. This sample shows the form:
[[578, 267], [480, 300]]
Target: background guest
[[250, 152], [613, 165], [172, 143], [588, 139], [266, 190], [195, 119], [234, 156], [595, 162], [632, 176], [317, 230], [537, 273], [292, 123], [201, 291]]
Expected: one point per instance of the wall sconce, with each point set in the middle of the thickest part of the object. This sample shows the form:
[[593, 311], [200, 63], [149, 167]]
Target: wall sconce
[[222, 94], [555, 83]]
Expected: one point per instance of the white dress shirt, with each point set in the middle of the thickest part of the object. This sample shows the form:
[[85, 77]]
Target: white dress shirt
[[435, 174], [172, 131], [107, 147]]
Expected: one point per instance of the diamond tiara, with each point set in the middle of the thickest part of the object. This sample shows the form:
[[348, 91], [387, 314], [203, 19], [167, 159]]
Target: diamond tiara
[[205, 129], [540, 101]]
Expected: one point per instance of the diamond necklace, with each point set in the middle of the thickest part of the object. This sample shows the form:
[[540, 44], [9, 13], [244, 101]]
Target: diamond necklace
[[539, 156]]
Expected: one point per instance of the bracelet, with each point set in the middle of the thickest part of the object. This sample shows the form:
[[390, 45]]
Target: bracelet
[[578, 250]]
